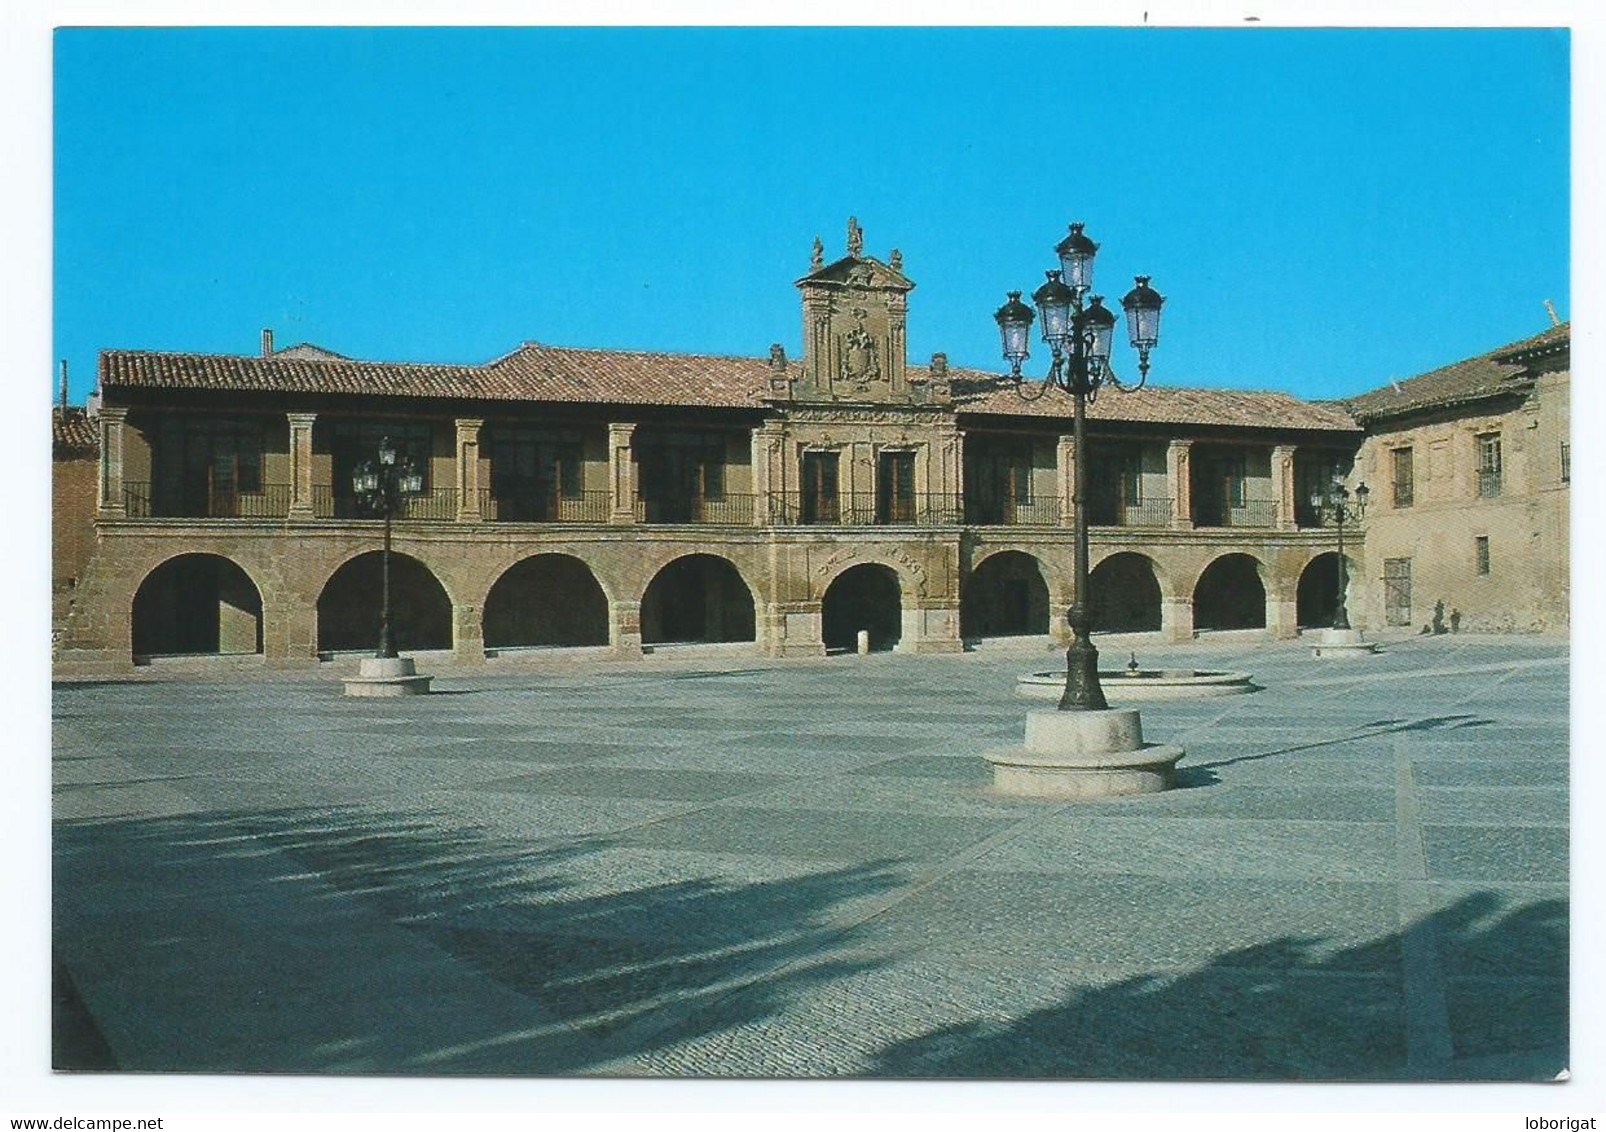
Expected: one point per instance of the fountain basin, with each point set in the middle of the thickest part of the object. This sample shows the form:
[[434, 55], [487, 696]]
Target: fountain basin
[[1145, 684]]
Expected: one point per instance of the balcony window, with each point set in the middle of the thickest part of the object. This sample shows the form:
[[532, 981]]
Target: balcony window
[[533, 473], [1000, 483], [215, 472], [1566, 462], [681, 474], [1489, 464], [895, 500], [819, 503], [1404, 478]]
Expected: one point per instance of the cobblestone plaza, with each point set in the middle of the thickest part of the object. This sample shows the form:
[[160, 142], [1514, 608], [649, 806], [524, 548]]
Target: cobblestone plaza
[[693, 865]]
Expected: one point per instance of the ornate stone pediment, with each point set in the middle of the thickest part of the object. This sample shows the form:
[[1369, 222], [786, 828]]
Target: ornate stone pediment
[[858, 273], [853, 328]]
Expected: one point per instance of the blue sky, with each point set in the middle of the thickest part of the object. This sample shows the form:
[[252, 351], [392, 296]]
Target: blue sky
[[1323, 209]]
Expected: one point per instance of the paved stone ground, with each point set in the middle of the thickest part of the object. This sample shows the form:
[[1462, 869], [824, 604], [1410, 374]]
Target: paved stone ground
[[798, 870]]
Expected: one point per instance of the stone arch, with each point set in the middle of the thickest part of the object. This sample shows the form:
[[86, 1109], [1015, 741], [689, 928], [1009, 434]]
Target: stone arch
[[1006, 595], [698, 597], [867, 596], [196, 603], [1317, 596], [1230, 594], [349, 605], [545, 599], [1125, 594]]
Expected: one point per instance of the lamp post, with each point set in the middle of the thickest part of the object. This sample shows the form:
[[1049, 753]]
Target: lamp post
[[1079, 336], [382, 486], [1336, 501]]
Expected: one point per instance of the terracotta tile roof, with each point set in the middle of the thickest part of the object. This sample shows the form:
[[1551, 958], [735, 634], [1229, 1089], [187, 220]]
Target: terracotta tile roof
[[978, 392], [631, 377], [72, 432], [1473, 379], [536, 372]]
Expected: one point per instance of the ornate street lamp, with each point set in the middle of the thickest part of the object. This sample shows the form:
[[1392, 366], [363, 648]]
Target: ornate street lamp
[[1336, 501], [1079, 337], [382, 486]]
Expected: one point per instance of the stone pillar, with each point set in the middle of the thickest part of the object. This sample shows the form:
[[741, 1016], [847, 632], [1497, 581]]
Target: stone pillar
[[624, 629], [289, 634], [930, 627], [946, 474], [1282, 479], [1176, 619], [622, 480], [1179, 477], [1282, 617], [468, 634], [1065, 473], [468, 469], [800, 630], [110, 503], [766, 455], [301, 464]]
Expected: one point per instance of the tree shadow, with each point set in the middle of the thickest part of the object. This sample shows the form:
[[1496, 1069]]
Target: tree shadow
[[341, 940], [1292, 1009]]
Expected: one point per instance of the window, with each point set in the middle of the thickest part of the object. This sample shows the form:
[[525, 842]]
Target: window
[[1566, 462], [1480, 545], [1397, 590], [356, 441], [1404, 478], [819, 502], [1489, 464], [895, 502]]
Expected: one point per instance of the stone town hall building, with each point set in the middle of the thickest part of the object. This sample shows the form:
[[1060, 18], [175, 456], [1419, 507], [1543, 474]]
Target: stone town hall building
[[615, 500]]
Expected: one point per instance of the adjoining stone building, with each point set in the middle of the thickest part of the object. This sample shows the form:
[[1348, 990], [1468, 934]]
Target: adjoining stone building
[[616, 500], [1470, 468]]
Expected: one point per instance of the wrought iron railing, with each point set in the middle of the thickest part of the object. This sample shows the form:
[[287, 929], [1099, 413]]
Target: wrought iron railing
[[726, 509], [142, 500], [436, 504], [865, 509], [518, 507], [1250, 513], [1488, 482], [1044, 510], [1150, 511]]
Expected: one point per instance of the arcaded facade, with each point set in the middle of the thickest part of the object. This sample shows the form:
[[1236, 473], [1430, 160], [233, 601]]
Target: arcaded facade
[[618, 501]]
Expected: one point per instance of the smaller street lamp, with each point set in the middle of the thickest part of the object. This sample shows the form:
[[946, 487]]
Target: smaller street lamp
[[382, 486], [1337, 501]]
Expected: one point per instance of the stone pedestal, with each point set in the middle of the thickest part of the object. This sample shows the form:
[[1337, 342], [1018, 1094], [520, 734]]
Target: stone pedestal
[[1083, 754], [1341, 644], [387, 676]]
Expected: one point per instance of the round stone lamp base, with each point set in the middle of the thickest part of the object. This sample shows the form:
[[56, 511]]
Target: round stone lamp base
[[387, 676], [1084, 754]]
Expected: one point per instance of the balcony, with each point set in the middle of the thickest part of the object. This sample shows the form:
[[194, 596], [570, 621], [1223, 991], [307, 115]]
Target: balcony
[[438, 503], [141, 501], [1151, 511], [542, 507], [1044, 511], [729, 509], [1488, 483], [1252, 513], [864, 509]]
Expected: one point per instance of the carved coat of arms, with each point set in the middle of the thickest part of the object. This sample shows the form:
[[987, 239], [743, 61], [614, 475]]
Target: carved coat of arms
[[860, 361]]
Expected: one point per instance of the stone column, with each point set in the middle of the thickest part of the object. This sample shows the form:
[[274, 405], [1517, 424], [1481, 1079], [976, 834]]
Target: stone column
[[622, 480], [624, 629], [1176, 619], [468, 634], [800, 630], [930, 626], [1065, 474], [1282, 478], [764, 436], [946, 474], [1282, 617], [1179, 473], [288, 634], [468, 469], [110, 503], [301, 464]]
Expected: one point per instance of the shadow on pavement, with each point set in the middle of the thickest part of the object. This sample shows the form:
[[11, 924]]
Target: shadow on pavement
[[344, 941], [1289, 1010]]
